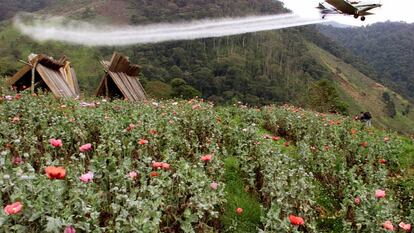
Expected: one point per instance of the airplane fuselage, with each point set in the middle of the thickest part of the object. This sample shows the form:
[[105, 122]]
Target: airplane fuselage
[[355, 8]]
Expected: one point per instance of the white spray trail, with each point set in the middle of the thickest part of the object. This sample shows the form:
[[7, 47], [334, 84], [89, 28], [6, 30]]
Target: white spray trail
[[74, 32]]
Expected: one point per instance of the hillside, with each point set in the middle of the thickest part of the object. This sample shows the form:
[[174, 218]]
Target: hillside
[[388, 47], [257, 69], [187, 166]]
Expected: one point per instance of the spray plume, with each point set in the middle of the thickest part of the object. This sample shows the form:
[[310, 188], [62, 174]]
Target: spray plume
[[75, 32]]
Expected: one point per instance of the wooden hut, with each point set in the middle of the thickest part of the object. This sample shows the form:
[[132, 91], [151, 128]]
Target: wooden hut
[[121, 80], [46, 73]]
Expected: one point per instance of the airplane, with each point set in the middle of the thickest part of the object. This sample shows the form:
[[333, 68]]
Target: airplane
[[354, 7]]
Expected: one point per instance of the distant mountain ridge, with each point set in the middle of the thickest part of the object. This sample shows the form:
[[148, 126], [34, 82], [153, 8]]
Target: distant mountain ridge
[[388, 47]]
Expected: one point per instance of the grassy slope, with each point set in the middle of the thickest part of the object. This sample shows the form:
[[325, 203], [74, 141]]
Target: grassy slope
[[364, 94]]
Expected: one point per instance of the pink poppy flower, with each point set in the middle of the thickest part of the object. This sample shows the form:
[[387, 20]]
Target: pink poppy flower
[[196, 106], [386, 139], [206, 158], [17, 160], [15, 119], [133, 175], [388, 225], [165, 166], [87, 177], [239, 211], [56, 142], [69, 229], [214, 185], [379, 193], [85, 148], [143, 142], [357, 200], [156, 165], [14, 208], [405, 226]]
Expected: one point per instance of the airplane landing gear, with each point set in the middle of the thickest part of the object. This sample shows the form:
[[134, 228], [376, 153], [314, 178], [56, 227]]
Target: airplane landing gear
[[323, 16], [362, 18], [356, 16]]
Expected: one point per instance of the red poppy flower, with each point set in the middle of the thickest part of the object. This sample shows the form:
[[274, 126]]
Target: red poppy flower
[[295, 220], [275, 138], [383, 161], [154, 174], [143, 142], [364, 144], [207, 158], [130, 127], [53, 172]]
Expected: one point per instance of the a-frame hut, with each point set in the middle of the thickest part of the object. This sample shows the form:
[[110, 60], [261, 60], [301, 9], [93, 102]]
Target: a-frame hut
[[48, 74], [121, 80]]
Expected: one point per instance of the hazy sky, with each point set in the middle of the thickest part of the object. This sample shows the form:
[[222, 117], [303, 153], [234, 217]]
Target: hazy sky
[[393, 10]]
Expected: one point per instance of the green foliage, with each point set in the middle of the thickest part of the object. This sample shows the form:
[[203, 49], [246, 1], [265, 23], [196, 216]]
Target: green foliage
[[324, 98], [158, 89], [269, 177], [389, 105]]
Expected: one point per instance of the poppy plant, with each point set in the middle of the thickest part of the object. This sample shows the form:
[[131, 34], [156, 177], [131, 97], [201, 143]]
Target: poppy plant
[[214, 185], [388, 225], [295, 220], [405, 226], [206, 158], [69, 229], [56, 142], [379, 193], [53, 172], [143, 142], [133, 175], [85, 148], [14, 208], [239, 211], [87, 177], [154, 174]]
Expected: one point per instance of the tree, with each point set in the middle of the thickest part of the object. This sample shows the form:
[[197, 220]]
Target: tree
[[324, 98]]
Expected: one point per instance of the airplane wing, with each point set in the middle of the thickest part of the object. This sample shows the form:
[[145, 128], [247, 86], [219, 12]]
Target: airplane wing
[[343, 6], [365, 8]]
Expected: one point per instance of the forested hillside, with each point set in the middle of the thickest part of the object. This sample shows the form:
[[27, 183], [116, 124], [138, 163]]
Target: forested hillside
[[388, 47], [9, 7], [257, 68]]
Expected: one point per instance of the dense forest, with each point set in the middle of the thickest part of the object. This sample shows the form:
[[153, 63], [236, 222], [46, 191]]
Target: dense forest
[[258, 68], [10, 7], [388, 47]]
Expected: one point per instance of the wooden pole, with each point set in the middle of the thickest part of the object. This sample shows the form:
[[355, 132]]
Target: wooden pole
[[33, 77]]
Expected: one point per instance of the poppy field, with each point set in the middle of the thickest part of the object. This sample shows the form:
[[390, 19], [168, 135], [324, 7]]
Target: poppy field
[[188, 166]]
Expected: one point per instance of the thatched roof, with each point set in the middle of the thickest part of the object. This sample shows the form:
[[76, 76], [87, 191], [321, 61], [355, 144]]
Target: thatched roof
[[54, 75], [121, 79]]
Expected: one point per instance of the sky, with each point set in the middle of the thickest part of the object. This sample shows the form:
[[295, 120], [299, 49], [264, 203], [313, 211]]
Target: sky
[[392, 10]]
